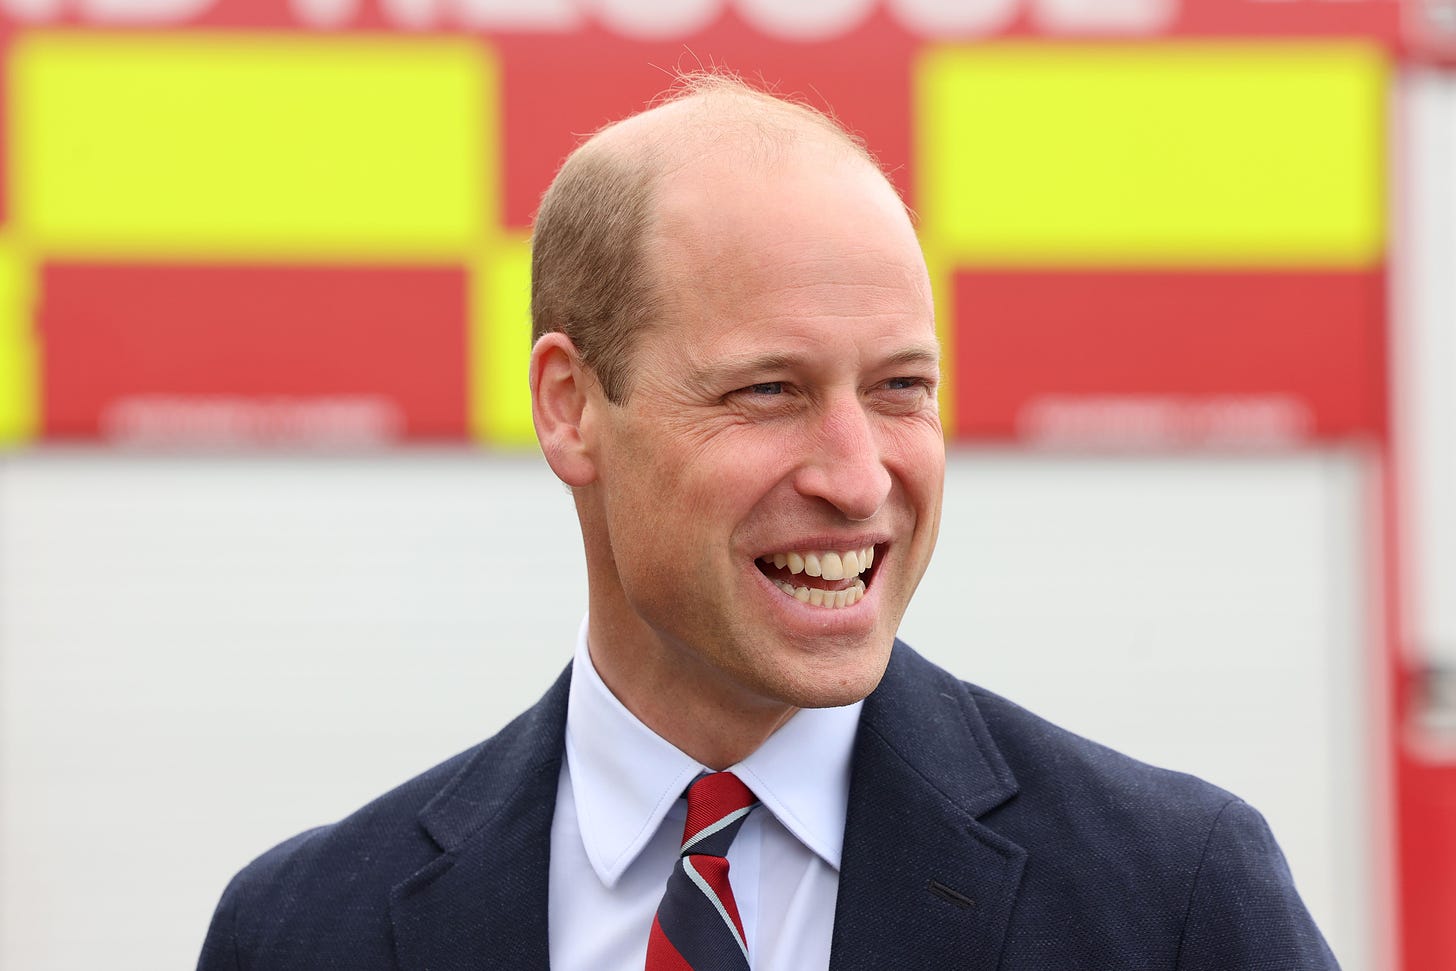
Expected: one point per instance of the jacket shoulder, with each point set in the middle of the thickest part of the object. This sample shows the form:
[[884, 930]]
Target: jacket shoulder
[[328, 886], [1155, 864], [1060, 767], [322, 898]]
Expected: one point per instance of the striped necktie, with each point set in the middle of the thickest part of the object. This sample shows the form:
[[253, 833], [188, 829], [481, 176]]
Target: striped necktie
[[697, 927]]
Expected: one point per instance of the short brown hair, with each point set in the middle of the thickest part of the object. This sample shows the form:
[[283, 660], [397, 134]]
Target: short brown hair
[[590, 275]]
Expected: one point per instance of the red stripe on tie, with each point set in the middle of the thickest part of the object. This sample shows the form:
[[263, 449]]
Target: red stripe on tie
[[714, 870], [713, 797], [661, 955]]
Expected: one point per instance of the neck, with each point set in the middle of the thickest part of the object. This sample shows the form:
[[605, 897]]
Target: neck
[[692, 705]]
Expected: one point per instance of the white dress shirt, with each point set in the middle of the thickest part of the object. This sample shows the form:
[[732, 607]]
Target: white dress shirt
[[619, 821]]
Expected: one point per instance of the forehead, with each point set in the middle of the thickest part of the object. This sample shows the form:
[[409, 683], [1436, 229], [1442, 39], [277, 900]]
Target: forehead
[[728, 200], [817, 237]]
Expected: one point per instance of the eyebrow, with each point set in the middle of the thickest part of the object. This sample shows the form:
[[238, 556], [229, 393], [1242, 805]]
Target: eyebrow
[[919, 354], [735, 368]]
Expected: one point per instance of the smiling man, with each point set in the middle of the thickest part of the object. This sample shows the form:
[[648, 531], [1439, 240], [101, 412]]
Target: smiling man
[[734, 371]]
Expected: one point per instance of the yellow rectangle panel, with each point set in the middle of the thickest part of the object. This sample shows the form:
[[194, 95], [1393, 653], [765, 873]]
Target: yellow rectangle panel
[[1182, 153], [19, 354], [205, 144], [500, 345]]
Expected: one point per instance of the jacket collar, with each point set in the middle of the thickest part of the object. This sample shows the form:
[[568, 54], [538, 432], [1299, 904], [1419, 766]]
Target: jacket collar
[[922, 883]]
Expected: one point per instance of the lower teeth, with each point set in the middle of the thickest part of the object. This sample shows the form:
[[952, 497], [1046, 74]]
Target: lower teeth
[[824, 598]]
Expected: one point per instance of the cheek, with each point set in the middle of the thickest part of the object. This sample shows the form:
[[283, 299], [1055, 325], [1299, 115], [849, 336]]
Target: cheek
[[739, 464], [916, 453], [665, 489]]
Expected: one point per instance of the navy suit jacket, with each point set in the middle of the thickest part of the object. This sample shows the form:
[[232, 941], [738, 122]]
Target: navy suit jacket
[[979, 837]]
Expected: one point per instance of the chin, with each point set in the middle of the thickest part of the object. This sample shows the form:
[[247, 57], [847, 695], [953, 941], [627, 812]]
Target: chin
[[843, 684]]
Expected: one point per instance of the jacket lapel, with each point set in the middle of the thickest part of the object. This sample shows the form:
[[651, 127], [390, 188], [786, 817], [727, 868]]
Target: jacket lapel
[[922, 883], [483, 902]]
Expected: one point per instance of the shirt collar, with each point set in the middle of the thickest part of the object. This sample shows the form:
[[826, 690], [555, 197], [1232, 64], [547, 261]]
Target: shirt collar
[[625, 777]]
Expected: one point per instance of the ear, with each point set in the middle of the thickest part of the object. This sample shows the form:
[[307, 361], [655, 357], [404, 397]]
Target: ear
[[560, 393]]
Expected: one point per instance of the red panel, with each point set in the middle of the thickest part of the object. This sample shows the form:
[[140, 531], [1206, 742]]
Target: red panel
[[1367, 18], [580, 82], [7, 36], [1423, 764], [1024, 18], [245, 353], [1427, 847], [1168, 358]]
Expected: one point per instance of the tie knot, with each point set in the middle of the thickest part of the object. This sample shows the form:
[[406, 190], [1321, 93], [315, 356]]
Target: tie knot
[[717, 805]]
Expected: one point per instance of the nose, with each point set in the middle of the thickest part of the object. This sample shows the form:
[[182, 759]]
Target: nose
[[844, 465]]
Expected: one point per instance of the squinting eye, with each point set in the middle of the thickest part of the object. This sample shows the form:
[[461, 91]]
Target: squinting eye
[[904, 384], [768, 387]]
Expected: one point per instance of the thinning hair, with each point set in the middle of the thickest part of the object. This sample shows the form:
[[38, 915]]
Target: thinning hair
[[591, 269]]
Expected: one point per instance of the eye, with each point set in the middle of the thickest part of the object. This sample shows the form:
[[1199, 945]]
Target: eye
[[906, 384], [765, 388], [763, 397]]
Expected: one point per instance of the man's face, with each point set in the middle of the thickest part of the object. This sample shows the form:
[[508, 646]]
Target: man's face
[[769, 492]]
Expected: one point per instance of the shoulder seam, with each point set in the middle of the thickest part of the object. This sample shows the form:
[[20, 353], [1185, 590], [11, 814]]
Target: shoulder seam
[[1197, 875]]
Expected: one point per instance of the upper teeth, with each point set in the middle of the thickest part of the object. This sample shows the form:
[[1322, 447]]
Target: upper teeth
[[829, 564]]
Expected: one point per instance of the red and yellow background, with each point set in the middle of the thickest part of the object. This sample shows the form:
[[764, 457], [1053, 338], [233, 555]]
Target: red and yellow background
[[1150, 223], [242, 228]]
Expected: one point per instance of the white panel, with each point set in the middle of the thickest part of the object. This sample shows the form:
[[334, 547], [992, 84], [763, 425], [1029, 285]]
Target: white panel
[[1425, 362], [199, 658]]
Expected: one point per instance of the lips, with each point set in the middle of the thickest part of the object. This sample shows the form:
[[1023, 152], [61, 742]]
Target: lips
[[820, 578]]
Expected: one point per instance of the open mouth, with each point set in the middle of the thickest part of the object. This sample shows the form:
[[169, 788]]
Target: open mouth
[[820, 578]]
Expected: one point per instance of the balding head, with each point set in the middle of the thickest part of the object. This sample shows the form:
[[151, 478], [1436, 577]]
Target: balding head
[[592, 266]]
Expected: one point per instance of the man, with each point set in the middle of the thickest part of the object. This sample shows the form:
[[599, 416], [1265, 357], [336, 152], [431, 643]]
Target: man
[[735, 372]]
